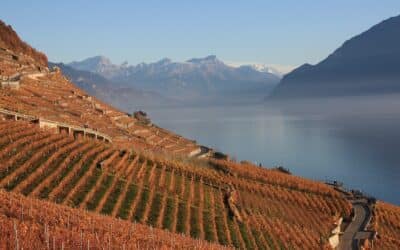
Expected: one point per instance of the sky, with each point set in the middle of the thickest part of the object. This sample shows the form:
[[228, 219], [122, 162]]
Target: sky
[[283, 33]]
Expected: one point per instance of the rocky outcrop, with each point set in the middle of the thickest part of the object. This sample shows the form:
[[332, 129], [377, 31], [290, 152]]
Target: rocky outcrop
[[334, 238], [232, 199]]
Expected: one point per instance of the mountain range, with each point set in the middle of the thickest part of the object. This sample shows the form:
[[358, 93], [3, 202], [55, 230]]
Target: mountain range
[[366, 64], [120, 95], [197, 80]]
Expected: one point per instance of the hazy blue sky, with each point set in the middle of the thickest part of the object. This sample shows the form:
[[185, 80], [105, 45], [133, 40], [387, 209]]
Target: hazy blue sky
[[274, 32]]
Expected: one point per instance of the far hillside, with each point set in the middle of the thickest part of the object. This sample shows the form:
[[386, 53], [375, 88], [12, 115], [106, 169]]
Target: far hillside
[[367, 64]]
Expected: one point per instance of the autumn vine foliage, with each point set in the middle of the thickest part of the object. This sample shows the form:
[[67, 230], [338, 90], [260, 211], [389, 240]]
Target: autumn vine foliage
[[33, 224], [386, 222], [228, 203], [10, 40]]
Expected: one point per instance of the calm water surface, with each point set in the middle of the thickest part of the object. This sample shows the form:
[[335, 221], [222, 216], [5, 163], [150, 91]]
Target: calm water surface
[[360, 146]]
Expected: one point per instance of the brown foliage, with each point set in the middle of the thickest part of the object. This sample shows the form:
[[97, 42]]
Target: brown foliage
[[34, 224], [11, 40], [386, 222]]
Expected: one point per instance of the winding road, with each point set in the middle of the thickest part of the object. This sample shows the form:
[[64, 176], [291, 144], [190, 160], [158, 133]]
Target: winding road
[[362, 213]]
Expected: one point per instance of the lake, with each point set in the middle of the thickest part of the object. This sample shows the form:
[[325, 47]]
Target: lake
[[355, 140]]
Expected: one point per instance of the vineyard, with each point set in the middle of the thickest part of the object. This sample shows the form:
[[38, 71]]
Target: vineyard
[[232, 204], [386, 222], [33, 224]]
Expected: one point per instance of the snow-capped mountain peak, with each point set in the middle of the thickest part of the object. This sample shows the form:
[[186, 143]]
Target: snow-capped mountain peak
[[267, 69]]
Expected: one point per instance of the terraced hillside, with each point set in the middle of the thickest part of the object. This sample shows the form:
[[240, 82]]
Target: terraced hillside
[[37, 92], [386, 222], [227, 203]]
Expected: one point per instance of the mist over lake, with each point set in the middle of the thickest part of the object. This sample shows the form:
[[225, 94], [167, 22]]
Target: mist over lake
[[355, 140]]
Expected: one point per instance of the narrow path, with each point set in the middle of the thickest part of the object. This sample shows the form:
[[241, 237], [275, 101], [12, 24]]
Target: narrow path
[[361, 217]]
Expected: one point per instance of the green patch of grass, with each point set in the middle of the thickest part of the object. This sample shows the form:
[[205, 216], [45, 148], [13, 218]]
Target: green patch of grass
[[208, 225], [194, 222], [234, 237], [105, 184], [19, 146], [46, 173], [22, 176], [257, 237], [169, 213], [132, 156], [181, 218], [269, 240], [84, 190], [13, 167], [219, 223], [135, 170], [74, 180], [196, 198], [187, 189], [207, 197], [167, 179], [245, 236], [113, 198], [141, 159], [44, 193], [155, 209], [147, 175], [141, 206], [124, 210], [157, 173], [178, 183], [8, 133]]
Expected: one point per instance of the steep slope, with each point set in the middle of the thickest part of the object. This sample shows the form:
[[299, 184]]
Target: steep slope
[[366, 64], [196, 80], [386, 222], [10, 40]]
